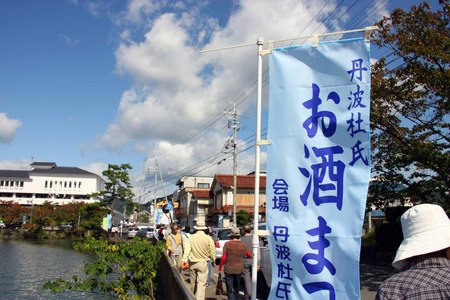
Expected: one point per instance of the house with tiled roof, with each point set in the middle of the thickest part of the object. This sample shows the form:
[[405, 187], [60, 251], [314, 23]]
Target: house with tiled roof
[[48, 182], [222, 191]]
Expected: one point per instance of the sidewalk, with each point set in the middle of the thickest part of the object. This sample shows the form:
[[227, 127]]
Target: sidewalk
[[371, 277], [210, 290]]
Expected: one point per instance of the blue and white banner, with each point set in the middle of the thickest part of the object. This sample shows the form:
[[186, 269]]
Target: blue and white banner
[[318, 168]]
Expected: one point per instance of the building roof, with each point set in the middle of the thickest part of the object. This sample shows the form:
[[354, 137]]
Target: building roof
[[44, 168], [62, 170], [41, 164], [10, 174], [243, 181]]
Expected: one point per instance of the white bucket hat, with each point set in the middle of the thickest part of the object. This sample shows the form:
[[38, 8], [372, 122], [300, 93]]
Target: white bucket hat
[[200, 225], [426, 229]]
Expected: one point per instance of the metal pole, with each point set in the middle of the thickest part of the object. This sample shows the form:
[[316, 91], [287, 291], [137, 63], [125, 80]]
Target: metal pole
[[154, 198], [255, 241], [235, 128]]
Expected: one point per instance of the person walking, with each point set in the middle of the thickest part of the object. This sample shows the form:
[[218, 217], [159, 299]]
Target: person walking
[[424, 255], [232, 263], [210, 263], [197, 252], [175, 246], [247, 239]]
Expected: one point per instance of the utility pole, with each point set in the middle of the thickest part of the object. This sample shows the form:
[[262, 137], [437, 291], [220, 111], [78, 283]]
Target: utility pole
[[233, 124], [154, 197]]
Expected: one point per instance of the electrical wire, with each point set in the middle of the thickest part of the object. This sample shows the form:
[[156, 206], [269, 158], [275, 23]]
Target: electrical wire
[[249, 93]]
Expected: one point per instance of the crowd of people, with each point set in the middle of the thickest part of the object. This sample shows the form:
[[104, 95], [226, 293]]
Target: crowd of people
[[423, 256], [196, 253]]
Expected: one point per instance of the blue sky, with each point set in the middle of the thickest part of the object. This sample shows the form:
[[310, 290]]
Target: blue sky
[[87, 83]]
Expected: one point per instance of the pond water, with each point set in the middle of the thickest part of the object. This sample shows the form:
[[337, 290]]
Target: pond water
[[26, 265]]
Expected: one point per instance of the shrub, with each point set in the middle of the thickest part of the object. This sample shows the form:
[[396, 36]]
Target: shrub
[[125, 269]]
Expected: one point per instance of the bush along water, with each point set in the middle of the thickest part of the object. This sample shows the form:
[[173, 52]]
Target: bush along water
[[127, 269]]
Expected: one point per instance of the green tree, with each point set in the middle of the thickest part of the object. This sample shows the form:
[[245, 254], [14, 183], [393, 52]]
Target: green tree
[[91, 215], [410, 107], [118, 185], [242, 218], [124, 269]]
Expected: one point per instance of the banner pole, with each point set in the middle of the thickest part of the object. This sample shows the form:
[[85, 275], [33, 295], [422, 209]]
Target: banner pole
[[255, 240]]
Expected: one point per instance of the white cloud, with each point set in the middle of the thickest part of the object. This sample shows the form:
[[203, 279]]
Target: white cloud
[[138, 8], [177, 89], [161, 56], [15, 165], [96, 168], [69, 40], [8, 128]]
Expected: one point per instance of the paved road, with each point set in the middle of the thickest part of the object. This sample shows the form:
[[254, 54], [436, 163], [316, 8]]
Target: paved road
[[371, 278]]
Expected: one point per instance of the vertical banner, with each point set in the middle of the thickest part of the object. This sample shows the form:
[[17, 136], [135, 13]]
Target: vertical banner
[[318, 168]]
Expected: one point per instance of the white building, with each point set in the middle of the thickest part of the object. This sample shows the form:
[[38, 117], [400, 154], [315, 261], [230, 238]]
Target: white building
[[48, 182]]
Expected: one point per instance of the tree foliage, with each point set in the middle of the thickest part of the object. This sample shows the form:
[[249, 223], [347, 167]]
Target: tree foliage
[[126, 269], [410, 107], [243, 218], [11, 212], [118, 185]]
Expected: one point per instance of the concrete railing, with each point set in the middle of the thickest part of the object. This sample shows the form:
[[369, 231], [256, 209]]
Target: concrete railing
[[171, 281]]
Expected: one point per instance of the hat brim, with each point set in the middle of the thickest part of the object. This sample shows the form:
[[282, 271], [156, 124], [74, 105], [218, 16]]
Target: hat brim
[[422, 243], [200, 227]]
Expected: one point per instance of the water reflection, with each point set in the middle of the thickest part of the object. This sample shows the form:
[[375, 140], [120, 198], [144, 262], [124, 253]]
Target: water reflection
[[25, 266]]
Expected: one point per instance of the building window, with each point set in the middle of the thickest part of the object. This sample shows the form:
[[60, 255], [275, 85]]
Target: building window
[[203, 185], [21, 184], [70, 184], [2, 183], [46, 184], [65, 184]]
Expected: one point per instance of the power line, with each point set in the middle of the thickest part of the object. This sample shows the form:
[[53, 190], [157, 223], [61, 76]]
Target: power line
[[247, 95]]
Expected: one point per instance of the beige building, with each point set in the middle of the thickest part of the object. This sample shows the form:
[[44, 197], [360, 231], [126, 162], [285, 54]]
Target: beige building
[[192, 198]]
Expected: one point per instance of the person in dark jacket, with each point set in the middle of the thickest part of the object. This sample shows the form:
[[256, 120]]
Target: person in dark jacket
[[232, 263]]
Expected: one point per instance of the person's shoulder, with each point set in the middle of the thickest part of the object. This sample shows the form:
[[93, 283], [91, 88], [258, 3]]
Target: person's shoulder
[[396, 284]]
